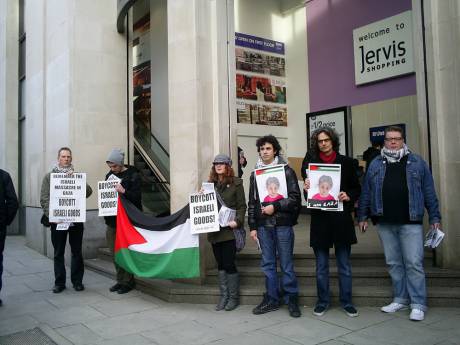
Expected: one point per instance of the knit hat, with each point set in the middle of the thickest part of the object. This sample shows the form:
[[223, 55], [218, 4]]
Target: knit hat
[[116, 156], [222, 159]]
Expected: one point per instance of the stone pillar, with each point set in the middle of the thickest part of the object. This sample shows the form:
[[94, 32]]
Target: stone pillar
[[76, 97], [442, 30], [199, 121], [9, 36]]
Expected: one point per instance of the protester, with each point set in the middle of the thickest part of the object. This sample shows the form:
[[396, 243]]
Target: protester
[[59, 237], [271, 226], [231, 193], [332, 228], [397, 188], [130, 187], [372, 152], [242, 161], [8, 208]]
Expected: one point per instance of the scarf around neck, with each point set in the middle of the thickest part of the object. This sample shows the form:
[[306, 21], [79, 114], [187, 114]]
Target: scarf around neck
[[328, 159], [276, 161], [62, 170], [394, 156]]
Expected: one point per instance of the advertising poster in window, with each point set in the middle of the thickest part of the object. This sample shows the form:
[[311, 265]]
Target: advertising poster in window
[[260, 81]]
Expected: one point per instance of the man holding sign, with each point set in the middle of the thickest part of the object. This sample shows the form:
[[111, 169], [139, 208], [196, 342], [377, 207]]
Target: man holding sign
[[59, 230], [271, 225], [331, 221], [130, 185]]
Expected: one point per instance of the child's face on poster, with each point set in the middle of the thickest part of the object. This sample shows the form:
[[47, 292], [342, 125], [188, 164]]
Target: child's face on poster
[[272, 189], [324, 188]]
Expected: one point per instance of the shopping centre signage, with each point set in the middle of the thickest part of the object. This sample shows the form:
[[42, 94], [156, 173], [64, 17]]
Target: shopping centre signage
[[383, 49]]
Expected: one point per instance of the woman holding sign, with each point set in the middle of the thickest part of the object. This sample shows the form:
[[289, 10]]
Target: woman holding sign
[[332, 228], [230, 193]]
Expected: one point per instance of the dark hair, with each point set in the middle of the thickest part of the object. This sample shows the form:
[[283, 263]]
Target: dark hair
[[331, 133], [394, 129], [65, 148], [229, 175], [269, 139]]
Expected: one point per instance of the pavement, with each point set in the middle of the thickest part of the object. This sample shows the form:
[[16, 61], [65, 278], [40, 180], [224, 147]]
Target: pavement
[[96, 316]]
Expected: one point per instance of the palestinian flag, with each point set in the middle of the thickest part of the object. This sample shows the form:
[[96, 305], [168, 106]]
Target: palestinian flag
[[153, 247]]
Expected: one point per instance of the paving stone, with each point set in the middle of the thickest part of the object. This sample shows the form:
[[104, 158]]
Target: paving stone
[[17, 324], [132, 339], [185, 333], [124, 306], [79, 334], [306, 330], [255, 338], [68, 316], [21, 307]]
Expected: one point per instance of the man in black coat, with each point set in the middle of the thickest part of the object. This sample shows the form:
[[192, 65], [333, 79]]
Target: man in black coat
[[130, 187], [8, 208], [271, 224], [332, 228]]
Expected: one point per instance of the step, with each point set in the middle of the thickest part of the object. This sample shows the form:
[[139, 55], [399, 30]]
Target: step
[[180, 292], [362, 276]]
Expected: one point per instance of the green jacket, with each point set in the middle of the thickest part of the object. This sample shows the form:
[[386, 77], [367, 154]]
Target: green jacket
[[233, 196], [45, 193]]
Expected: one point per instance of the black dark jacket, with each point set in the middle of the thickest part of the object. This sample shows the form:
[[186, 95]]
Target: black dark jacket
[[131, 182], [286, 210], [8, 200], [328, 228]]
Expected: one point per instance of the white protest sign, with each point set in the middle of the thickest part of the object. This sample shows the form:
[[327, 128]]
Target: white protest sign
[[107, 196], [271, 183], [68, 198], [203, 213], [324, 186]]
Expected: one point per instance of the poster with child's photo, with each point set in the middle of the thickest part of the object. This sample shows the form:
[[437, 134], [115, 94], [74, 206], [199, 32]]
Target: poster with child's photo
[[324, 186], [271, 183]]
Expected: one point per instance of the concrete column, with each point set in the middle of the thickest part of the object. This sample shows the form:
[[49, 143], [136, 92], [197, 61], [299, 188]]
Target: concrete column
[[9, 36], [199, 121], [76, 97], [442, 29]]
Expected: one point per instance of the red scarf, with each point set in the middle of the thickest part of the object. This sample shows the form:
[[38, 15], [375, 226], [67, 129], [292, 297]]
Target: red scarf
[[328, 159]]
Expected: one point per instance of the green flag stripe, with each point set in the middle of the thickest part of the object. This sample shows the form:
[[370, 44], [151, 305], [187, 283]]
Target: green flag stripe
[[181, 263], [328, 169], [266, 171]]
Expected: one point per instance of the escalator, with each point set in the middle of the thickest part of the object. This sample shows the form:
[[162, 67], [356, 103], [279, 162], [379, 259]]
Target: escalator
[[152, 161]]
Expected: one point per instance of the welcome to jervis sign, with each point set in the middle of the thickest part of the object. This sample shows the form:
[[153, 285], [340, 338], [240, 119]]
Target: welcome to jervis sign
[[383, 49]]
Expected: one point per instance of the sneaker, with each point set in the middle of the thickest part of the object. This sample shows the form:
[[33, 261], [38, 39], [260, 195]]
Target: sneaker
[[319, 310], [351, 311], [293, 306], [417, 315], [267, 305], [393, 307]]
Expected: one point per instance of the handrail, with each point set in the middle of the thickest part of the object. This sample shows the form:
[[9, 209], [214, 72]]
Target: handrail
[[163, 181], [144, 127]]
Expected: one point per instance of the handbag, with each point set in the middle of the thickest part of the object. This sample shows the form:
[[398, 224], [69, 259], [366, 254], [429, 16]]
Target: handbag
[[239, 233]]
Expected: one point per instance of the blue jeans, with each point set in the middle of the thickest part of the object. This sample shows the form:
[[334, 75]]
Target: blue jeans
[[279, 239], [342, 254], [403, 248]]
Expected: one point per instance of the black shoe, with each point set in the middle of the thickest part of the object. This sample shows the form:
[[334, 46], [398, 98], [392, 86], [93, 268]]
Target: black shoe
[[293, 306], [319, 310], [351, 311], [116, 287], [58, 289], [124, 289], [79, 287], [1, 303], [267, 305]]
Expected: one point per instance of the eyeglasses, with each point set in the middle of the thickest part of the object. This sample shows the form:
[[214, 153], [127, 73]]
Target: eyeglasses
[[393, 139], [320, 141]]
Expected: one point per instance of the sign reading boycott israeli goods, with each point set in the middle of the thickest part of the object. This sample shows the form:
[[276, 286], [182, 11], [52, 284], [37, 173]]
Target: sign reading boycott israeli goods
[[324, 186], [384, 49], [203, 213], [68, 198], [107, 196]]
